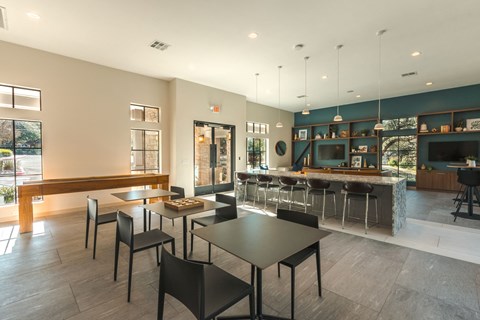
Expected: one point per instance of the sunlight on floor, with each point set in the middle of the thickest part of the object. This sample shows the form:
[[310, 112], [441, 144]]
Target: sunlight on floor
[[10, 234]]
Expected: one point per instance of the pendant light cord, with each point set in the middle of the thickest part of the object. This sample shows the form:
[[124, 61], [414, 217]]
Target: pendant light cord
[[306, 58], [379, 34], [279, 68], [256, 87]]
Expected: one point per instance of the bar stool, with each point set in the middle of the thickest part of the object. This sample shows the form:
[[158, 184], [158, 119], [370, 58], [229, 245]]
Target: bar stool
[[243, 180], [263, 182], [358, 191], [471, 181], [290, 185], [319, 187]]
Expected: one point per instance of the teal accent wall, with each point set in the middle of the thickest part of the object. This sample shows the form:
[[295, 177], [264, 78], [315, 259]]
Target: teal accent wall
[[406, 106]]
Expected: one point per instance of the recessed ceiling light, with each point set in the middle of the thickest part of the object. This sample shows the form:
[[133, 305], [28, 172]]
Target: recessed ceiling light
[[324, 77], [428, 83], [253, 35], [33, 15], [416, 53], [358, 96]]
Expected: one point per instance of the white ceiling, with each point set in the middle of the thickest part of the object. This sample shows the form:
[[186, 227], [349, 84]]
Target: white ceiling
[[209, 43]]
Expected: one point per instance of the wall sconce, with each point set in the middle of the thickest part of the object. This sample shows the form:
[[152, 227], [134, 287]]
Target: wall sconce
[[215, 109], [201, 138]]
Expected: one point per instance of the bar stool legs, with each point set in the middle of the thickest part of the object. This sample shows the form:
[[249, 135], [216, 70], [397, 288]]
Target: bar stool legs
[[367, 200]]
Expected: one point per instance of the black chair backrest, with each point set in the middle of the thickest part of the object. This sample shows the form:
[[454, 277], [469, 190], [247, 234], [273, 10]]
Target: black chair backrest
[[287, 181], [185, 281], [229, 212], [300, 218], [92, 208], [358, 187], [264, 178], [318, 184], [125, 228], [469, 177], [179, 190], [242, 176]]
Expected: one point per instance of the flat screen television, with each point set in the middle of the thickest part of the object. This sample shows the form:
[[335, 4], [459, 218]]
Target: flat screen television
[[452, 150], [331, 152]]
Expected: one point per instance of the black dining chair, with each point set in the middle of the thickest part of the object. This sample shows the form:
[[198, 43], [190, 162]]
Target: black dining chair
[[98, 219], [136, 243], [205, 289], [221, 215], [296, 259], [181, 194], [359, 191]]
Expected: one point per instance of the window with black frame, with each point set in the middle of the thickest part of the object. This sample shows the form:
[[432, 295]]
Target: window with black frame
[[20, 156], [144, 151], [399, 147], [256, 153]]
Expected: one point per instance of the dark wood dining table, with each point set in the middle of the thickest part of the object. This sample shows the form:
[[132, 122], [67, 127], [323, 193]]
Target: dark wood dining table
[[261, 241], [159, 208], [144, 195]]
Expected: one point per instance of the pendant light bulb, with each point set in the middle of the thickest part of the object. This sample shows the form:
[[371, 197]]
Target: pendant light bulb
[[379, 126], [338, 117], [305, 110], [279, 123]]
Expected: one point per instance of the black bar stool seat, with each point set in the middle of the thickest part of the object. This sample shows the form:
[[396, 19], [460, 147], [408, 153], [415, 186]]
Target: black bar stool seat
[[290, 185], [359, 191], [319, 187]]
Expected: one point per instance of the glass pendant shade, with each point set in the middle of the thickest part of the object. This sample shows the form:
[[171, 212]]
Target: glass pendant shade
[[305, 111], [279, 125], [338, 118], [379, 126]]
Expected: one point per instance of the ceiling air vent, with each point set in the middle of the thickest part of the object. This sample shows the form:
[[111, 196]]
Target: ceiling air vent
[[301, 96], [409, 74], [3, 18], [162, 46]]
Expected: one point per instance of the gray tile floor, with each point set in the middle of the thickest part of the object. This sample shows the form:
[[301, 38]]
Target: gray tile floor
[[50, 275]]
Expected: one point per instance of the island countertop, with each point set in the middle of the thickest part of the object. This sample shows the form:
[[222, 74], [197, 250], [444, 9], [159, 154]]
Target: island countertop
[[377, 180], [391, 192]]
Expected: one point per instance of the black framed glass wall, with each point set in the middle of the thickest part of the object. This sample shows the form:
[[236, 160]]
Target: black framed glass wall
[[20, 98], [20, 156]]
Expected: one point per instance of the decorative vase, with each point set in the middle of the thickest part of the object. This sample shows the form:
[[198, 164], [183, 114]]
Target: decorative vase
[[458, 129], [471, 163]]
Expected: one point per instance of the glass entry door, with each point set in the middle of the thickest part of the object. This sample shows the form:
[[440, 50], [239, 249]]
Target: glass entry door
[[214, 156]]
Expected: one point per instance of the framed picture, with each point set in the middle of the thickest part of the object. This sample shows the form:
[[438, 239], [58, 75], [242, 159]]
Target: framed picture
[[473, 124], [362, 148], [302, 134], [343, 133], [356, 161]]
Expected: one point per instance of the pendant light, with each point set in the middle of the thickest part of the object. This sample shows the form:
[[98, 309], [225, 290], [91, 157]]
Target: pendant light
[[379, 125], [279, 123], [338, 117], [305, 110]]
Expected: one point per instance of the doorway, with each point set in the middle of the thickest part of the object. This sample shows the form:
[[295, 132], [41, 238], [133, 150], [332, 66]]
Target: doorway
[[214, 157]]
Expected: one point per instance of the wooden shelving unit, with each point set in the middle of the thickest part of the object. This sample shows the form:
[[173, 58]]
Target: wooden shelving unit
[[348, 133]]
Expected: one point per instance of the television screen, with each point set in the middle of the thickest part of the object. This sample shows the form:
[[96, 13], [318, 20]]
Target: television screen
[[331, 152], [452, 150]]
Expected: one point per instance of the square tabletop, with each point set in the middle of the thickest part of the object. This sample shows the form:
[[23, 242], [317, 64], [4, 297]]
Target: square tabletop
[[159, 208], [143, 194], [260, 240]]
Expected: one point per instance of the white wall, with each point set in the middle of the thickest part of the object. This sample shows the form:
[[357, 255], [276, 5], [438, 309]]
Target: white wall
[[192, 102], [264, 114], [85, 116]]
